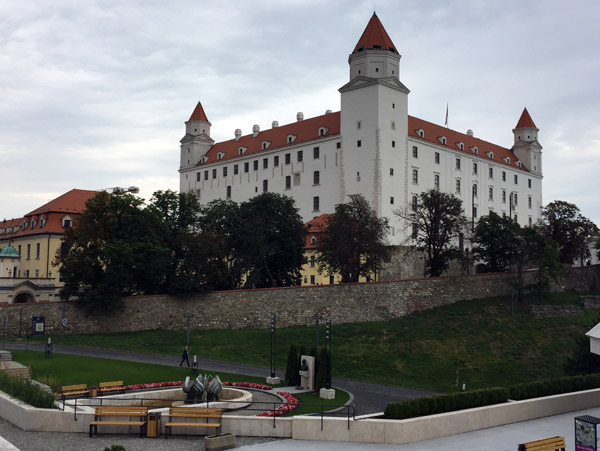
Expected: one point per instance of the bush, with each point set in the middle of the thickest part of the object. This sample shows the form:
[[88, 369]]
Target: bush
[[430, 405], [554, 386], [26, 391]]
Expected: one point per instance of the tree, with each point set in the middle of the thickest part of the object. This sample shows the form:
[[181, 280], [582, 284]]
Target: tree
[[353, 244], [115, 249], [268, 241], [493, 241], [573, 232], [436, 221]]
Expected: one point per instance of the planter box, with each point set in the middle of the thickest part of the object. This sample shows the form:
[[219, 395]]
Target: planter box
[[220, 441]]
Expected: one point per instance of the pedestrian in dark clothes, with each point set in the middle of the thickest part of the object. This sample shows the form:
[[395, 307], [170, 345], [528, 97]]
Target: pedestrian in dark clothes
[[185, 357]]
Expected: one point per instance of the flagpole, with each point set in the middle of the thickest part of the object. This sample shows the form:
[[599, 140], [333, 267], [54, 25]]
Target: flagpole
[[446, 115]]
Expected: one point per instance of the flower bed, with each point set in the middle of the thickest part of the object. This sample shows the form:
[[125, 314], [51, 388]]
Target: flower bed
[[248, 385], [292, 403]]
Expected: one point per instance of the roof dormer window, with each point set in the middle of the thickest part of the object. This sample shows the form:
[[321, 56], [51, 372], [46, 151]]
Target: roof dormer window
[[323, 131], [291, 139], [33, 223], [506, 160], [204, 159], [490, 155], [461, 145], [66, 222], [220, 155], [442, 140], [242, 150], [265, 145], [518, 163], [313, 240], [24, 225], [475, 150], [421, 133]]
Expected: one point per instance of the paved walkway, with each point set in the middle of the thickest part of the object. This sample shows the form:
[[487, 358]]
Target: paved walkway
[[368, 398]]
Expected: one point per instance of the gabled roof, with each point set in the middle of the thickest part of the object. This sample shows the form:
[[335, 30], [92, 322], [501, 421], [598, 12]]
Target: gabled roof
[[525, 121], [433, 133], [70, 202], [375, 37], [198, 114], [315, 227], [302, 131]]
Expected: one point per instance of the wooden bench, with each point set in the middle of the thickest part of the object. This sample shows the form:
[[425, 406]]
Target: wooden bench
[[545, 444], [120, 411], [178, 414], [74, 390], [104, 387]]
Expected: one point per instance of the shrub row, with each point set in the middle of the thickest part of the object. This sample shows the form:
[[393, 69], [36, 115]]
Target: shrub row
[[554, 386], [26, 391], [477, 398], [430, 405]]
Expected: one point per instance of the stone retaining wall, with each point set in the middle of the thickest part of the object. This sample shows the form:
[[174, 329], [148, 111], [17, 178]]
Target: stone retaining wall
[[296, 306]]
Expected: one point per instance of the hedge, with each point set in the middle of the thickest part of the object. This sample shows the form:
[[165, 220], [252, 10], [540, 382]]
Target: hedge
[[26, 391], [431, 405]]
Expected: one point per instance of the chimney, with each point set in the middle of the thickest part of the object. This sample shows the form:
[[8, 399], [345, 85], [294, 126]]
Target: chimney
[[255, 130], [470, 132], [300, 116], [327, 111], [275, 124], [238, 134]]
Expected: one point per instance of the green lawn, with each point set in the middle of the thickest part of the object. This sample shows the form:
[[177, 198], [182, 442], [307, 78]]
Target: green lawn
[[64, 369], [474, 337], [311, 403]]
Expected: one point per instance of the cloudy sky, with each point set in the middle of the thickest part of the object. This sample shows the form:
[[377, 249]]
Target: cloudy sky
[[95, 94]]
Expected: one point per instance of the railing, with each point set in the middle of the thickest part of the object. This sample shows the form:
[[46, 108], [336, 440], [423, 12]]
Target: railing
[[259, 406]]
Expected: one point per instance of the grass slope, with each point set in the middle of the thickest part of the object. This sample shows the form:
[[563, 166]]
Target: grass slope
[[474, 337]]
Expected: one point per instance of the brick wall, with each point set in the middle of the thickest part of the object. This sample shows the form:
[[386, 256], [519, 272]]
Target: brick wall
[[247, 309]]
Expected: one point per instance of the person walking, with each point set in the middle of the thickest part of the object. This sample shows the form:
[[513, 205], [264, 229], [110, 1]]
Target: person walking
[[185, 356]]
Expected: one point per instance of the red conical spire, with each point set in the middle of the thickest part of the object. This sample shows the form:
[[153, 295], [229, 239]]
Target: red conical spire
[[375, 36], [199, 114], [525, 121]]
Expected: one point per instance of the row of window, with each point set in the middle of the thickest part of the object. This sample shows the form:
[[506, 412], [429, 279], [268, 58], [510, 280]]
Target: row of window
[[514, 200], [37, 251], [415, 178]]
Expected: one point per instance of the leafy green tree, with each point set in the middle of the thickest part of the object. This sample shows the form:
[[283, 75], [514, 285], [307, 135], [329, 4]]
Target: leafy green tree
[[494, 241], [115, 249], [268, 241], [573, 232], [436, 221], [353, 244]]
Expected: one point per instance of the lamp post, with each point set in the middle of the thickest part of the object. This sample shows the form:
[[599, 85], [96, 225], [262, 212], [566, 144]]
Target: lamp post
[[328, 348], [188, 316], [273, 328]]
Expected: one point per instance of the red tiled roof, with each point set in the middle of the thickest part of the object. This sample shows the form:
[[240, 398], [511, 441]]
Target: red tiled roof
[[433, 133], [304, 131], [375, 36], [315, 227], [525, 121], [70, 202], [198, 114]]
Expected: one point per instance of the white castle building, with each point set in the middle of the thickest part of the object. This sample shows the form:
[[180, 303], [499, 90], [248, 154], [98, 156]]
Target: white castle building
[[372, 147]]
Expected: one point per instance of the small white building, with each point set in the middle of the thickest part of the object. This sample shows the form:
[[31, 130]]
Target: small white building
[[372, 146]]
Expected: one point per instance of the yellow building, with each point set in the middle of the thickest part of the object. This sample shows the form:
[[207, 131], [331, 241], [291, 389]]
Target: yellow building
[[28, 247]]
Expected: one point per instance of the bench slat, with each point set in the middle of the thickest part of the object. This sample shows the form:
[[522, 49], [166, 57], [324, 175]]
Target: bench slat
[[545, 444]]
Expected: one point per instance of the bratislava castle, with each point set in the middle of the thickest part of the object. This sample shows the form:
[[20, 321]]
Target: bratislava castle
[[372, 146]]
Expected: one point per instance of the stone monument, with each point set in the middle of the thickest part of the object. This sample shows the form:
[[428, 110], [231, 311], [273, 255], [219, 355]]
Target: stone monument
[[307, 372]]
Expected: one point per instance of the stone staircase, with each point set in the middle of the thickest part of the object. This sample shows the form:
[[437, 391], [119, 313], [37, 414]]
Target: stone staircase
[[14, 369]]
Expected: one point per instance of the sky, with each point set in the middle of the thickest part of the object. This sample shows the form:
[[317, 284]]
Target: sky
[[95, 94]]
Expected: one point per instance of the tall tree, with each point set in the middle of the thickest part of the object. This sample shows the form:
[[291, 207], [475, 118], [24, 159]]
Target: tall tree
[[436, 222], [573, 232], [354, 242], [269, 241], [114, 249], [494, 241]]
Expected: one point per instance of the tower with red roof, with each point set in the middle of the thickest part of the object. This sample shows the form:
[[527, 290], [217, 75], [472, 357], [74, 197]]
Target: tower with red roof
[[526, 147], [197, 140]]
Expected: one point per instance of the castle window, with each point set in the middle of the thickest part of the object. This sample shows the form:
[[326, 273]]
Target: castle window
[[312, 260], [225, 171], [461, 146], [255, 165], [475, 150], [528, 183], [530, 222], [29, 251], [316, 153], [421, 133], [529, 202], [323, 131], [437, 158], [316, 203], [415, 176], [392, 200], [241, 150], [229, 192], [288, 182], [198, 176], [436, 181], [312, 279], [37, 251], [291, 138], [316, 177], [491, 173], [393, 143], [205, 175], [457, 186], [358, 176], [358, 143], [474, 168], [391, 171], [458, 164], [516, 179], [214, 173], [503, 196], [276, 160], [393, 106], [415, 203], [288, 158], [300, 156], [220, 155], [474, 190], [66, 223], [504, 176], [265, 186], [338, 145], [515, 199], [246, 166], [235, 169], [415, 152], [443, 140], [491, 193], [265, 163]]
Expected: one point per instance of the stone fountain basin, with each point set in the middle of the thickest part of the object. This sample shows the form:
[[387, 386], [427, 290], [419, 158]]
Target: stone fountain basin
[[229, 398]]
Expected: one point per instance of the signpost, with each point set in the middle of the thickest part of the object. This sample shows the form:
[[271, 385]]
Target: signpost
[[64, 309]]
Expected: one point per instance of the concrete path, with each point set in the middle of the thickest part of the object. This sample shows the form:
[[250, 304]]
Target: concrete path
[[368, 398]]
